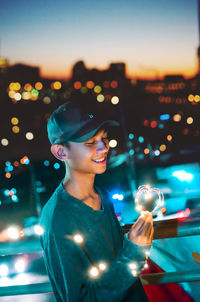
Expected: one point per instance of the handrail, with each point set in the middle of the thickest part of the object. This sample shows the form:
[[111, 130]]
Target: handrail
[[173, 228]]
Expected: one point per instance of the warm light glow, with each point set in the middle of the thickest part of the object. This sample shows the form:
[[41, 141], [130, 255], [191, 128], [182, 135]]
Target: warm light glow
[[28, 87], [4, 142], [163, 147], [14, 120], [197, 98], [15, 86], [78, 238], [191, 98], [47, 100], [56, 85], [38, 86], [8, 175], [146, 151], [17, 96], [77, 85], [153, 124], [11, 94], [16, 163], [115, 100], [90, 84], [177, 117], [29, 135], [114, 84], [100, 98], [190, 120], [15, 129], [112, 143], [102, 266], [94, 272], [97, 89], [169, 137], [26, 95]]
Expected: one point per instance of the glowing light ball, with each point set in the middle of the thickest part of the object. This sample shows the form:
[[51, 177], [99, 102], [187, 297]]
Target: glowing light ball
[[148, 199]]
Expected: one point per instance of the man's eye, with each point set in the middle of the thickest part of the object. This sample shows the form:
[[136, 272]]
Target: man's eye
[[90, 143]]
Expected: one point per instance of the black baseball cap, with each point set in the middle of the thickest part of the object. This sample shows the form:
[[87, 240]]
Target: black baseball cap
[[72, 122]]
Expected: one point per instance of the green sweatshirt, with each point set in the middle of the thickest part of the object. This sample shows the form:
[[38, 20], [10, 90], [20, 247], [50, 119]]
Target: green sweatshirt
[[73, 266]]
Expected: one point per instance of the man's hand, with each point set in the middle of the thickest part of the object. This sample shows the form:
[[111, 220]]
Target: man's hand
[[141, 231]]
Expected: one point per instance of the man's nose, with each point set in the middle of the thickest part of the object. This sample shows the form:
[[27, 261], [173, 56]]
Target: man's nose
[[102, 146]]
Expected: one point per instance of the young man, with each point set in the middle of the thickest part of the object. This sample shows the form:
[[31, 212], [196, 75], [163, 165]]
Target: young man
[[88, 259]]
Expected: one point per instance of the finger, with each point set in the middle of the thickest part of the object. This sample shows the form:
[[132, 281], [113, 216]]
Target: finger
[[147, 229]]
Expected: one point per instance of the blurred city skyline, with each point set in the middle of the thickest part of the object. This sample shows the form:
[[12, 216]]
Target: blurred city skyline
[[153, 38]]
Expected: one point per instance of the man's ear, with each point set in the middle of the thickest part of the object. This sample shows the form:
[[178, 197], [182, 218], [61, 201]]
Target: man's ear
[[60, 152]]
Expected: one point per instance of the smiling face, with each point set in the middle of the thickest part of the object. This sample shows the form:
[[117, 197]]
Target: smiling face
[[90, 156]]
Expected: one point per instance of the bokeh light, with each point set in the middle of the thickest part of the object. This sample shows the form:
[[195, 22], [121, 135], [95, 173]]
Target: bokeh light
[[17, 96], [100, 98], [15, 129], [28, 87], [115, 100], [177, 117], [29, 136], [112, 143], [77, 85], [14, 120], [189, 120], [169, 137], [38, 86], [97, 89], [47, 100], [90, 84], [4, 142], [163, 147]]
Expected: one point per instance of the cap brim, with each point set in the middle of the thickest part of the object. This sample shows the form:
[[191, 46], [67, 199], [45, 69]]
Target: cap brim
[[92, 133]]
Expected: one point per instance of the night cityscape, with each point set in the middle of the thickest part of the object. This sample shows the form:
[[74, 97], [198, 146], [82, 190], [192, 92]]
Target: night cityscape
[[155, 99]]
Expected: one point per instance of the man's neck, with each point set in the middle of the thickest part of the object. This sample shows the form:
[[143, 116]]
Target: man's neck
[[80, 185]]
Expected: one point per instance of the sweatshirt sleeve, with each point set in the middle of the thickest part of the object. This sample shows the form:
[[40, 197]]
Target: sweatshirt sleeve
[[69, 268]]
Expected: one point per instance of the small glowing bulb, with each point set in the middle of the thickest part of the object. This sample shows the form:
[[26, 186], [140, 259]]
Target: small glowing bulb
[[102, 266], [38, 230], [133, 266], [134, 272], [148, 195], [78, 238], [146, 265], [94, 272], [147, 253], [139, 208]]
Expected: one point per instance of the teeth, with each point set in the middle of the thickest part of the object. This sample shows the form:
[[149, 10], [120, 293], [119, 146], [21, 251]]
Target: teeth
[[99, 160]]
